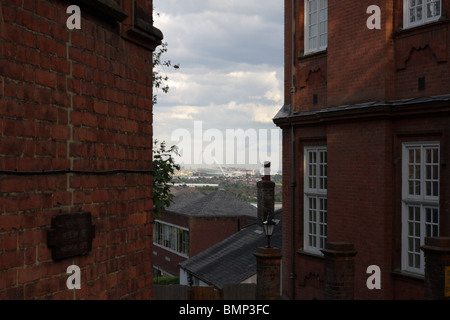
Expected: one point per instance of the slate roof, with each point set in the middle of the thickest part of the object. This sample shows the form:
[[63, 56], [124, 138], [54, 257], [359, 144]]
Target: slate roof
[[232, 260], [183, 197], [218, 203]]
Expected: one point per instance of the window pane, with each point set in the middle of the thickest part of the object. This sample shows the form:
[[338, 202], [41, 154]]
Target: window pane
[[433, 8], [419, 13], [315, 214], [316, 24], [323, 170], [417, 187], [431, 222], [412, 15], [432, 172], [414, 235], [411, 156], [317, 222], [416, 172], [323, 222], [417, 156], [428, 155], [313, 42], [410, 259], [417, 261], [420, 217]]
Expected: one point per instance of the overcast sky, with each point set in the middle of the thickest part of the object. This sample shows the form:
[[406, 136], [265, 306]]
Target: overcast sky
[[231, 78]]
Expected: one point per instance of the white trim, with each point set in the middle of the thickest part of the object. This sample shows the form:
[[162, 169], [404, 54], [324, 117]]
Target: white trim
[[172, 225], [318, 47], [177, 228], [425, 19], [421, 202], [315, 194]]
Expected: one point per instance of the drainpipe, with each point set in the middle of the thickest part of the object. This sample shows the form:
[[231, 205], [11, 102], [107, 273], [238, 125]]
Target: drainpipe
[[293, 183]]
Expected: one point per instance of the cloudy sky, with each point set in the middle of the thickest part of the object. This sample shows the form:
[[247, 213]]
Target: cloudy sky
[[229, 85]]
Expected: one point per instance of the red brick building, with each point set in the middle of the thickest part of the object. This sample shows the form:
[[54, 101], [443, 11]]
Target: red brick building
[[365, 140], [76, 136], [195, 222]]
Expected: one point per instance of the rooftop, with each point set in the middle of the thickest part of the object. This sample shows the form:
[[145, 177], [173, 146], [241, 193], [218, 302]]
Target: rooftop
[[219, 203], [184, 197], [232, 260]]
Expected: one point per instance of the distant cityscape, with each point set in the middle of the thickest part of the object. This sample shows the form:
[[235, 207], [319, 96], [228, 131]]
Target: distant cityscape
[[239, 181]]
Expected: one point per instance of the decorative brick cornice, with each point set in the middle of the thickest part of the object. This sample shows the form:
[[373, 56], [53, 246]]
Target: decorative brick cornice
[[107, 8], [139, 29], [369, 110], [430, 36], [136, 21]]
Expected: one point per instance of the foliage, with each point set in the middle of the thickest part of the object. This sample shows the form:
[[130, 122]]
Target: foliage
[[164, 167], [166, 280], [164, 164], [160, 78]]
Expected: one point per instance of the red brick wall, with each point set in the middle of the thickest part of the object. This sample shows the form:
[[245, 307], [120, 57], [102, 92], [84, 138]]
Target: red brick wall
[[422, 52], [204, 232], [207, 231], [360, 197], [287, 51], [362, 65], [73, 100], [364, 201], [286, 267], [166, 260], [357, 57], [312, 80], [310, 70], [364, 151]]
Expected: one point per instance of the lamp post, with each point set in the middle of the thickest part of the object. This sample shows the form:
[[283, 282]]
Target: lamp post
[[268, 225], [268, 266]]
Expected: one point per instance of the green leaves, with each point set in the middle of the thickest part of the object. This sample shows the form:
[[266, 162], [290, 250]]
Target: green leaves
[[160, 78], [164, 166]]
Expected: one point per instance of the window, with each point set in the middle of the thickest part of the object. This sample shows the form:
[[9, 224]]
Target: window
[[172, 238], [315, 199], [420, 205], [418, 12], [316, 25]]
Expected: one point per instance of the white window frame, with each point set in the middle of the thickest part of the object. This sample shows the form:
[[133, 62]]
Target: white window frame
[[423, 6], [420, 201], [320, 8], [315, 192], [171, 238]]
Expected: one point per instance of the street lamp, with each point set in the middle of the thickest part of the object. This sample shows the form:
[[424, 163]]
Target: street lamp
[[268, 225]]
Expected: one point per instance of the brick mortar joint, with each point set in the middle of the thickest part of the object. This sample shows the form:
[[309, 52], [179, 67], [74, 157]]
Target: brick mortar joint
[[69, 120]]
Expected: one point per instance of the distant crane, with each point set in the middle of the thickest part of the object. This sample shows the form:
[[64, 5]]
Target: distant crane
[[223, 172]]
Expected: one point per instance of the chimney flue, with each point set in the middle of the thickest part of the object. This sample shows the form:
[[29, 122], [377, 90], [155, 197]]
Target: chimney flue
[[266, 171], [266, 196]]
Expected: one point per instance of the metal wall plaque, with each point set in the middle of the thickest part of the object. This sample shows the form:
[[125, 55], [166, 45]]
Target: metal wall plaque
[[71, 235]]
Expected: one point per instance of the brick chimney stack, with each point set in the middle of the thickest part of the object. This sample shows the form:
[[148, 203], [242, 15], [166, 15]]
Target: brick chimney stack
[[266, 196], [268, 260]]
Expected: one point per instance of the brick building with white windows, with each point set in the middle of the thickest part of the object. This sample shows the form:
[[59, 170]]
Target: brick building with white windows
[[193, 223], [365, 127]]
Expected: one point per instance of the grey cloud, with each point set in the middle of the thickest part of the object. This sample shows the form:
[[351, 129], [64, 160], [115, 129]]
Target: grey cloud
[[231, 56], [223, 32]]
